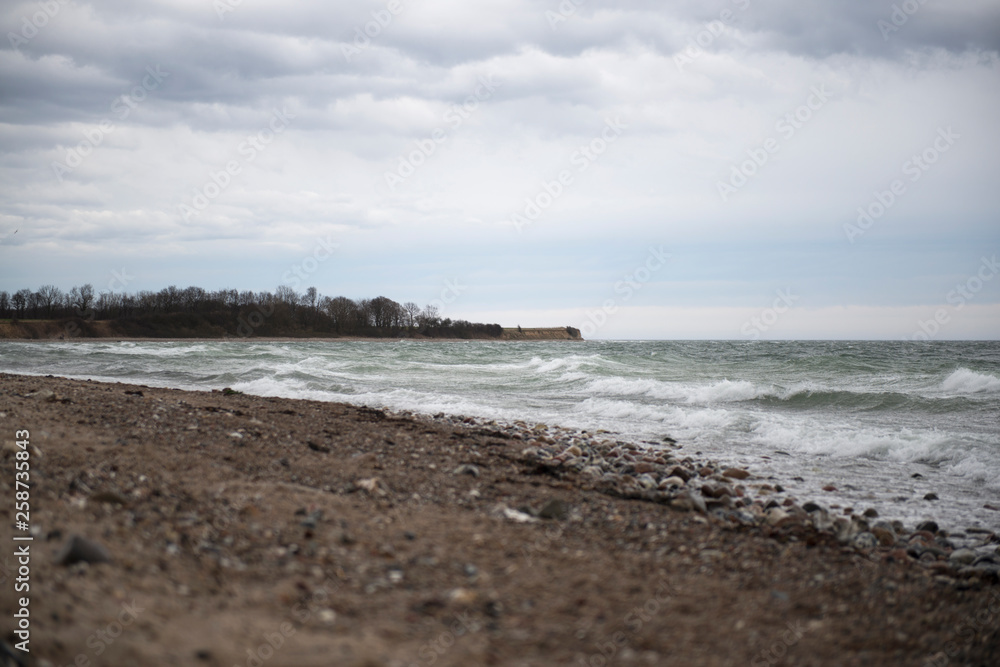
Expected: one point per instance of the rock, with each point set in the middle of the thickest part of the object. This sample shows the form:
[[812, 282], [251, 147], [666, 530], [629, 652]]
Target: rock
[[646, 481], [776, 515], [929, 526], [645, 466], [323, 449], [865, 541], [81, 550], [554, 509], [109, 497], [811, 507], [697, 502], [821, 519], [885, 533], [671, 481], [871, 513], [682, 472], [962, 556], [466, 469], [931, 496], [372, 486], [735, 473], [829, 487]]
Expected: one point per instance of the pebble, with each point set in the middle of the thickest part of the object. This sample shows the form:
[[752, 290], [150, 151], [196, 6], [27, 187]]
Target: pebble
[[554, 509], [963, 556], [81, 550], [466, 469], [929, 526], [649, 472]]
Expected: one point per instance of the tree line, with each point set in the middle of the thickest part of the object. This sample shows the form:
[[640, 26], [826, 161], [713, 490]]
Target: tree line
[[244, 313]]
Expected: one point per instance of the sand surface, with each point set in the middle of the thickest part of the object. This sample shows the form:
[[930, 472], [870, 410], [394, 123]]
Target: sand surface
[[263, 532]]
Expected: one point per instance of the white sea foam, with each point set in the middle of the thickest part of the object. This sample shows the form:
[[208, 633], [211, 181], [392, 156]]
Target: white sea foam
[[965, 382]]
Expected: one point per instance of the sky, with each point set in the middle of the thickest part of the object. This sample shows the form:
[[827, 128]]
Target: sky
[[728, 169]]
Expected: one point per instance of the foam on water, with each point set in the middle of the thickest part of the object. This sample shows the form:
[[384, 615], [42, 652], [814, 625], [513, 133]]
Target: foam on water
[[861, 416], [965, 382]]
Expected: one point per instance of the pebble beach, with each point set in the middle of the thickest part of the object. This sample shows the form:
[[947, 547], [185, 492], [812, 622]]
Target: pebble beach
[[218, 528]]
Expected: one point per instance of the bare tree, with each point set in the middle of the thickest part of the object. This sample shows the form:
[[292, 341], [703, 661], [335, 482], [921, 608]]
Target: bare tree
[[430, 317], [82, 297], [20, 300], [412, 312], [49, 295], [4, 304]]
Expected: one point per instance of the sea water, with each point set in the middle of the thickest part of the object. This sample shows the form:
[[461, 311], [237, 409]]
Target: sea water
[[884, 423]]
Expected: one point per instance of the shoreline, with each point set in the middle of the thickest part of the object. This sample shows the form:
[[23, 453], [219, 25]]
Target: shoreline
[[507, 514], [287, 339]]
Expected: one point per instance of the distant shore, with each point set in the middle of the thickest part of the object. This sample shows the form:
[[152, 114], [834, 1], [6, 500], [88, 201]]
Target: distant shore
[[105, 330], [317, 529]]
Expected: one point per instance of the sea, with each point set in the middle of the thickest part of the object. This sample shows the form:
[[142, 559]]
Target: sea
[[882, 423]]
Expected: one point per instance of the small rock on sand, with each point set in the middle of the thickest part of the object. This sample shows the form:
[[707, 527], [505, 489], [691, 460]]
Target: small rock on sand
[[735, 473], [81, 550]]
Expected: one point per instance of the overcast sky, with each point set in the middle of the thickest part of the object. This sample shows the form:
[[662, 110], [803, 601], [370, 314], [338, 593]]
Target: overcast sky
[[638, 169]]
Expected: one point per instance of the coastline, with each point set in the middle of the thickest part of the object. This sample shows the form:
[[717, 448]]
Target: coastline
[[410, 524], [285, 339]]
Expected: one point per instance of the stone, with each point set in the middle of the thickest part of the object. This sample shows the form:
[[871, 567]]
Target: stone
[[735, 473], [871, 513], [697, 502], [81, 550], [466, 469], [811, 507], [931, 496], [671, 481], [865, 541], [885, 533], [646, 481], [929, 526], [962, 556], [682, 472], [776, 515], [554, 509]]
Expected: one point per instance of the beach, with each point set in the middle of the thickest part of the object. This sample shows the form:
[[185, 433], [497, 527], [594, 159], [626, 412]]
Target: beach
[[248, 530]]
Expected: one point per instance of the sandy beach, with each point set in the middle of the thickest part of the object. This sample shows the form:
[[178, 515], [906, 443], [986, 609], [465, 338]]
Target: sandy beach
[[241, 530]]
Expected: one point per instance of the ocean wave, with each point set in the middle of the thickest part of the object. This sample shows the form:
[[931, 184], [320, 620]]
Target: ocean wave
[[965, 382]]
